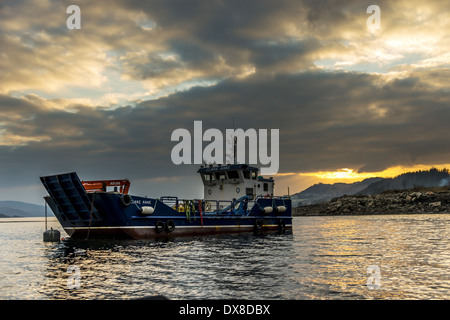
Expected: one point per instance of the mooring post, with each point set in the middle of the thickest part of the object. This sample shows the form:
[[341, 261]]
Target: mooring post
[[50, 235], [45, 215]]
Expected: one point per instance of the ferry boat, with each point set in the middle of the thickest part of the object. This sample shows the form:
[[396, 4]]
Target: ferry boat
[[236, 199]]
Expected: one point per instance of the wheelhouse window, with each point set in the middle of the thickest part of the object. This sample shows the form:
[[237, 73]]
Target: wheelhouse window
[[209, 177], [254, 175], [221, 175], [246, 174], [233, 174]]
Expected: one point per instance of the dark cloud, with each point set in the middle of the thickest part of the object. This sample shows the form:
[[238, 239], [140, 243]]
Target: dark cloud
[[326, 121]]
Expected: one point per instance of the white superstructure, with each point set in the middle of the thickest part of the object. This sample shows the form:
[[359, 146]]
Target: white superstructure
[[234, 181]]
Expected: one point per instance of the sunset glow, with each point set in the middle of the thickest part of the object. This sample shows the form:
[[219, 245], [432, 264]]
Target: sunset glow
[[346, 174]]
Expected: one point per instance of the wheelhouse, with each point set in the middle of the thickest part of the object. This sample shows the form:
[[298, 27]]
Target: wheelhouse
[[234, 181]]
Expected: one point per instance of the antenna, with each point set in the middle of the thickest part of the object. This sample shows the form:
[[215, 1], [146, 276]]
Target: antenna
[[235, 147], [234, 144]]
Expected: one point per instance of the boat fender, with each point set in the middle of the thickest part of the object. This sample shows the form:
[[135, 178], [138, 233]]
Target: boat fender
[[52, 235], [281, 209], [170, 226], [126, 199], [267, 210], [159, 226], [281, 226], [147, 210]]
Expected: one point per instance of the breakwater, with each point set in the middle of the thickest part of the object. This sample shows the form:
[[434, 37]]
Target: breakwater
[[427, 200]]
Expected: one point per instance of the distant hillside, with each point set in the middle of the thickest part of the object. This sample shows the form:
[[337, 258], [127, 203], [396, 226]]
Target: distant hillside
[[22, 209], [410, 180], [324, 192]]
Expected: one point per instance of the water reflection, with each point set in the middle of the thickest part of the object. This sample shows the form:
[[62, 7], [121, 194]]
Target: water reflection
[[324, 258], [409, 250], [209, 267]]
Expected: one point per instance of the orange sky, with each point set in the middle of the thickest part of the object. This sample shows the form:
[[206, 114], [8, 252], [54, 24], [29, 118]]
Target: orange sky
[[297, 182]]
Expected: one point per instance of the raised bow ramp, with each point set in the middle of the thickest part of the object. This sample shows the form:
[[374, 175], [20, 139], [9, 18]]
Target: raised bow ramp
[[68, 196]]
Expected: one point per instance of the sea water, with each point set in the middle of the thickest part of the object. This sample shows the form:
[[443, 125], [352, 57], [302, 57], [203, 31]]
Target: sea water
[[337, 257]]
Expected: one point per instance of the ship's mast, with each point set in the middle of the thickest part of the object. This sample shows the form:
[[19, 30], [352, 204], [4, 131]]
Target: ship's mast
[[234, 145], [235, 150]]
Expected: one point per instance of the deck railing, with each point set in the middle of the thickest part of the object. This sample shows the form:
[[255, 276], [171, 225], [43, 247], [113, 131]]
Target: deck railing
[[236, 206]]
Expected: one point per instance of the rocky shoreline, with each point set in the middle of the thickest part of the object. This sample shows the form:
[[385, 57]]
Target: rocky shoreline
[[427, 200]]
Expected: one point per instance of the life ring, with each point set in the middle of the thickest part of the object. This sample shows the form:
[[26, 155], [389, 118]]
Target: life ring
[[126, 199], [267, 196], [258, 226], [281, 226], [170, 226], [159, 226]]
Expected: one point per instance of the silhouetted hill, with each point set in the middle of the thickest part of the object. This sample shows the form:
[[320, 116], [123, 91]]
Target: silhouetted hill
[[22, 209], [323, 192], [410, 180]]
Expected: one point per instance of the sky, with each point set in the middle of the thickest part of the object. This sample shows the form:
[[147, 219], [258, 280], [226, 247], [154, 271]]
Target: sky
[[350, 101]]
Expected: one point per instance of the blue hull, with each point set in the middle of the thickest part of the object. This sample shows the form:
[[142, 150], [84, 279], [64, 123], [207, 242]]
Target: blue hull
[[106, 214], [114, 219]]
